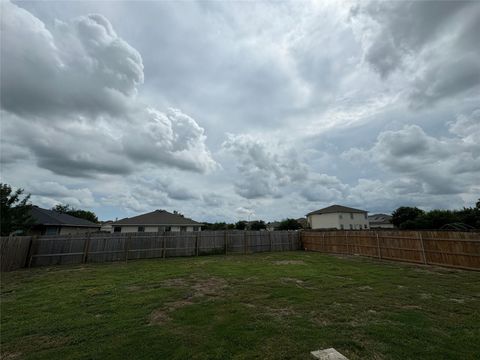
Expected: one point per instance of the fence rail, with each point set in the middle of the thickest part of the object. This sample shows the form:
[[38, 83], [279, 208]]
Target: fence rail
[[453, 249], [26, 251]]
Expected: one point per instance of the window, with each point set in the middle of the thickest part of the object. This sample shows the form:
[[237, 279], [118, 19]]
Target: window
[[161, 228], [117, 229], [340, 216], [52, 230], [168, 228], [341, 226], [351, 215], [141, 229], [183, 228], [195, 228], [365, 226], [351, 227]]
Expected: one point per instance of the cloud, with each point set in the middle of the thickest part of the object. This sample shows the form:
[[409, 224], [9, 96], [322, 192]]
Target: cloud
[[430, 44], [263, 172], [51, 193], [443, 166], [80, 66], [323, 188], [73, 89]]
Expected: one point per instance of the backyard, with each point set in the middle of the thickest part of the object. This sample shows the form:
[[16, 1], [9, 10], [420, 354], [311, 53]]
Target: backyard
[[265, 306]]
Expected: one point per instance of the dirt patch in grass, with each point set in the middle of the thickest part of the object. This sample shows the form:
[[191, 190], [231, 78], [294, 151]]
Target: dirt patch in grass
[[38, 342], [280, 313], [175, 282], [5, 355], [291, 280], [289, 262], [365, 288], [197, 289], [209, 287]]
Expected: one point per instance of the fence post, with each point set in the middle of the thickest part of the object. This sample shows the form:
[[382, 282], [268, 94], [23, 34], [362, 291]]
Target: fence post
[[226, 242], [85, 248], [127, 242], [346, 240], [245, 242], [29, 253], [196, 244], [423, 249], [164, 244], [30, 256], [270, 240], [324, 242], [378, 246]]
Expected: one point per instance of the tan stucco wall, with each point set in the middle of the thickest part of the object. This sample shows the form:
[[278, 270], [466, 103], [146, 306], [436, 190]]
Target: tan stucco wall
[[336, 220], [323, 221], [358, 221]]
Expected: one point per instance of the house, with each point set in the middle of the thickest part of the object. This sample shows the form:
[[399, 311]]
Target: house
[[272, 226], [338, 217], [156, 221], [303, 222], [106, 226], [49, 222], [382, 221]]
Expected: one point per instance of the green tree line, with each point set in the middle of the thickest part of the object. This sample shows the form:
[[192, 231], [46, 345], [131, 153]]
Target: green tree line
[[416, 219]]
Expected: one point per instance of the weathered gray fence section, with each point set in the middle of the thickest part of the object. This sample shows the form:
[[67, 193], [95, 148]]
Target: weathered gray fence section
[[100, 247], [14, 252], [444, 248]]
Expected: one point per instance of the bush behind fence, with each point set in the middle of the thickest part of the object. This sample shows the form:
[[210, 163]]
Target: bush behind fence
[[26, 251]]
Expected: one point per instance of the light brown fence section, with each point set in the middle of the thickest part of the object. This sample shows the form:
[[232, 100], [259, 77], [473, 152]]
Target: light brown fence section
[[101, 247], [455, 249]]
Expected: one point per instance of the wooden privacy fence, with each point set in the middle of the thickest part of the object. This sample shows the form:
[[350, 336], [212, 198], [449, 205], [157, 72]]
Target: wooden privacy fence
[[26, 251], [454, 249]]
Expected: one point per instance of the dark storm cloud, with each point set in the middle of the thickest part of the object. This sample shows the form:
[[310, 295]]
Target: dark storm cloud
[[432, 44]]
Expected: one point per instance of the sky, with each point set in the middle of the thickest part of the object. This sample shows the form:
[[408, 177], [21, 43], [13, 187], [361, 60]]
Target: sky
[[241, 110]]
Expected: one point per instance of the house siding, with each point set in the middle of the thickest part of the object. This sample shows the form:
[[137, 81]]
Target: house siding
[[150, 228], [336, 220]]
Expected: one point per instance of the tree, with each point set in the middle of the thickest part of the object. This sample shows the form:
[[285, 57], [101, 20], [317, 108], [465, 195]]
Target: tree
[[289, 224], [258, 225], [241, 225], [15, 212], [70, 210], [405, 213]]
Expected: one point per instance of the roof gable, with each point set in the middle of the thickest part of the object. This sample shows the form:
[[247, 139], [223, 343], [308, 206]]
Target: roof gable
[[380, 218], [336, 209], [157, 217]]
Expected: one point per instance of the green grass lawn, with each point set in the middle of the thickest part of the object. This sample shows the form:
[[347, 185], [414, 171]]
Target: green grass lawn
[[264, 306]]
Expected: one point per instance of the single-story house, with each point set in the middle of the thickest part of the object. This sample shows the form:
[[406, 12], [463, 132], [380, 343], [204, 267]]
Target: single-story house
[[272, 226], [49, 222], [338, 217], [156, 221], [380, 221], [106, 226]]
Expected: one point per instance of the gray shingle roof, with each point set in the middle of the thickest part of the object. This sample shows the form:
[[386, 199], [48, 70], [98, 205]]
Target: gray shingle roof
[[379, 219], [336, 209], [157, 217], [50, 217]]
